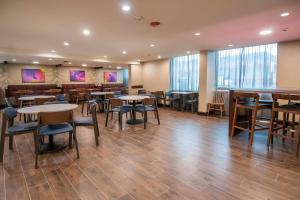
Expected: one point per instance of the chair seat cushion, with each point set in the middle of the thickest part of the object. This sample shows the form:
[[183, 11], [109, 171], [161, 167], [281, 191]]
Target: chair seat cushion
[[121, 109], [55, 129], [145, 109], [22, 127], [83, 121]]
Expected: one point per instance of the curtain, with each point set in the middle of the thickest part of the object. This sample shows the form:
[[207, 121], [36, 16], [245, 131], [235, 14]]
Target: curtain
[[248, 67], [125, 77], [184, 73]]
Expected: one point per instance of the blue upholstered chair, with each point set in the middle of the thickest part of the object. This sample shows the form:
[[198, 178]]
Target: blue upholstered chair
[[8, 116], [89, 121], [54, 123], [116, 106], [149, 105]]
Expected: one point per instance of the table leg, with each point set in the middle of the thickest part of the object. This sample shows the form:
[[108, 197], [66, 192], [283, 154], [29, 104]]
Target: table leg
[[134, 120], [51, 146]]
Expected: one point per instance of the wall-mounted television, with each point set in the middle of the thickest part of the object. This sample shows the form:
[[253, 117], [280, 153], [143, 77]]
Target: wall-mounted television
[[33, 76]]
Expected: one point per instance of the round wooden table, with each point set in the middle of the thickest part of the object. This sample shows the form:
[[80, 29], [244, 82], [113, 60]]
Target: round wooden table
[[100, 93], [33, 97], [134, 99], [51, 146]]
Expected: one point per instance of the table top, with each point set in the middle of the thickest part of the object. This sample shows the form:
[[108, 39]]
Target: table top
[[32, 97], [184, 92], [270, 91], [47, 108], [100, 93], [133, 97]]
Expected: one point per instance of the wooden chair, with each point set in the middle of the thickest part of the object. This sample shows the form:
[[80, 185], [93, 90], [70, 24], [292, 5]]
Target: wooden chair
[[218, 103], [116, 106], [192, 101], [88, 102], [290, 106], [54, 123], [42, 101], [248, 101], [8, 115], [149, 105], [89, 121], [160, 96]]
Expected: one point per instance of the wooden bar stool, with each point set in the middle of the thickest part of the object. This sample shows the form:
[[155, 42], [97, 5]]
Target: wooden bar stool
[[248, 101], [285, 104]]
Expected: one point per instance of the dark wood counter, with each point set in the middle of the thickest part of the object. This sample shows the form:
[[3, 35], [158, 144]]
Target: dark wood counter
[[260, 91]]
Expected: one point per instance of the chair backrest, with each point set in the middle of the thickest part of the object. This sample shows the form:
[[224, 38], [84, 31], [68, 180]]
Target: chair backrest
[[242, 97], [61, 97], [93, 111], [7, 103], [142, 91], [289, 97], [9, 113], [109, 96], [115, 103], [149, 101], [160, 94], [41, 101], [219, 97], [52, 118]]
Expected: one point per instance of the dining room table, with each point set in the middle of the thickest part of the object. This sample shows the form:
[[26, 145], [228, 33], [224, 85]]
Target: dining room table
[[134, 99], [182, 96], [31, 98], [51, 146]]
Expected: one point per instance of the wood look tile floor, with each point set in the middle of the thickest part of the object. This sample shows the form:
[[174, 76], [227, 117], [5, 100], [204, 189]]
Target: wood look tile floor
[[187, 157]]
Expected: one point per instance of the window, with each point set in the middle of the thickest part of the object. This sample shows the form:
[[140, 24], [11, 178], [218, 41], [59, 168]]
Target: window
[[125, 77], [248, 67], [184, 73]]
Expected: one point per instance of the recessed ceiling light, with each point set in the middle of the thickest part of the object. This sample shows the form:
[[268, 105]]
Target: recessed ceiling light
[[86, 32], [50, 59], [124, 52], [119, 67], [265, 32], [159, 57], [139, 60], [66, 43], [104, 56], [35, 62], [53, 51], [285, 14], [84, 65], [196, 34], [230, 45], [13, 60], [188, 52], [126, 8], [152, 45], [69, 63]]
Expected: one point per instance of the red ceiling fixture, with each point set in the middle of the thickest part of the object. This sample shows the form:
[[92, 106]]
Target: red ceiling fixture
[[154, 24]]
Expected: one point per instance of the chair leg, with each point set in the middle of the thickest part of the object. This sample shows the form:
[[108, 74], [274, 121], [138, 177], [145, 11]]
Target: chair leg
[[70, 138], [233, 123], [36, 147], [270, 134], [11, 141], [254, 113], [76, 144], [106, 120], [208, 109], [145, 120], [158, 121], [221, 111], [96, 133], [120, 120], [82, 108], [2, 143]]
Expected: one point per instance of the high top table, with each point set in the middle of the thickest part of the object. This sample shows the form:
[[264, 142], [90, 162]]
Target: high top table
[[51, 146], [134, 99]]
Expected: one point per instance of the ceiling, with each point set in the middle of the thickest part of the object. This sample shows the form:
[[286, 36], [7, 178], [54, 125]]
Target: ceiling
[[30, 29]]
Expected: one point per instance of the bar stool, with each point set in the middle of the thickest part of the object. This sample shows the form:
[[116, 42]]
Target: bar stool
[[291, 107], [248, 101]]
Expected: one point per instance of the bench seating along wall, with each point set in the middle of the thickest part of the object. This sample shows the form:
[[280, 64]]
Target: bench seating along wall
[[67, 88], [112, 87], [14, 90]]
